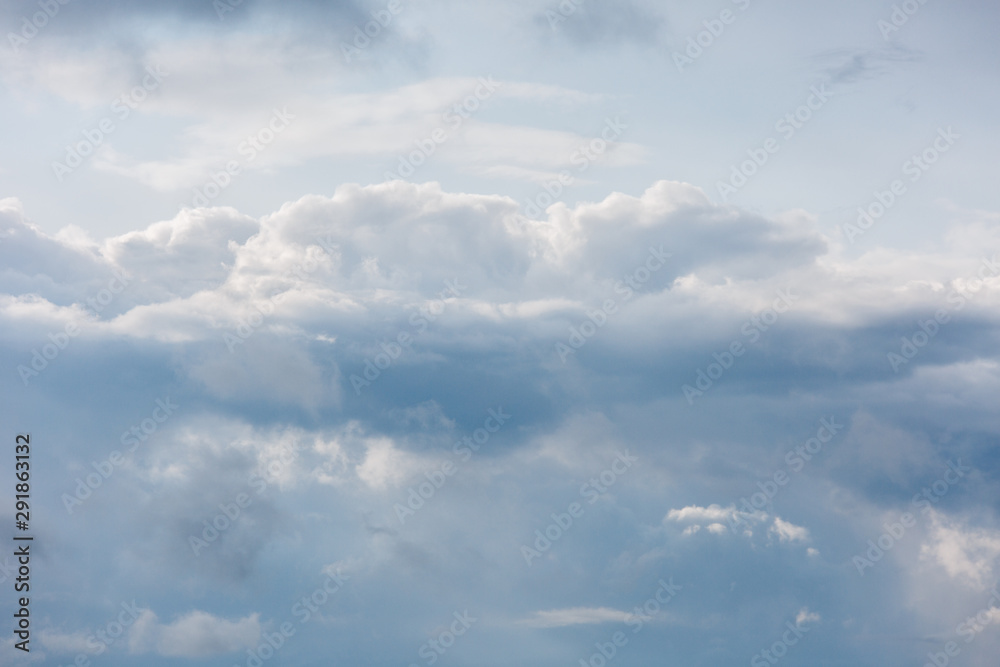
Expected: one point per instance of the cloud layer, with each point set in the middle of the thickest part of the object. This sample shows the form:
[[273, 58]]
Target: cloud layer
[[410, 389]]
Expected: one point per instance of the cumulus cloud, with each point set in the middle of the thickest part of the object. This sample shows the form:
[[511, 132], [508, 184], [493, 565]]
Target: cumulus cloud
[[968, 554], [806, 616], [695, 513], [788, 532], [339, 344], [721, 520], [256, 325]]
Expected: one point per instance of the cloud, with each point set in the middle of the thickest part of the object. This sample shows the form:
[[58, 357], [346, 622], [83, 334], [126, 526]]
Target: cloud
[[65, 644], [102, 17], [967, 554], [33, 263], [597, 23], [321, 283], [850, 66], [559, 618], [720, 520], [806, 616], [212, 89], [695, 513], [196, 634], [385, 465], [788, 532], [356, 268]]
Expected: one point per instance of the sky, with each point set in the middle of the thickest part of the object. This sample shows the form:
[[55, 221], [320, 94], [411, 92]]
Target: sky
[[601, 332]]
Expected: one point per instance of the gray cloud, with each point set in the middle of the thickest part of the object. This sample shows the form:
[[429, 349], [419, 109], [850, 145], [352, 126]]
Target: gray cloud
[[356, 266]]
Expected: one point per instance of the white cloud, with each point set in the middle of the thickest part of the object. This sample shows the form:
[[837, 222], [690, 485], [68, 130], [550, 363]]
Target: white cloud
[[558, 618], [280, 404], [806, 616], [967, 554], [385, 465], [394, 245], [196, 634], [788, 532], [719, 520], [695, 513]]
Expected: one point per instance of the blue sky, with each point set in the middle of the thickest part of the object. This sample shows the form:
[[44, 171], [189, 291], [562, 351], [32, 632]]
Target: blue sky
[[515, 333]]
